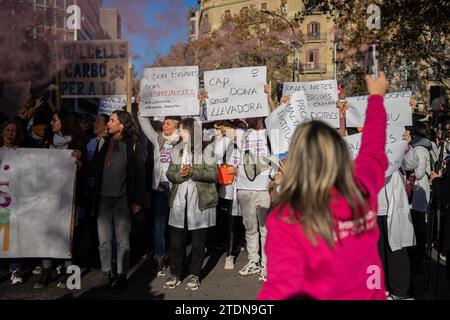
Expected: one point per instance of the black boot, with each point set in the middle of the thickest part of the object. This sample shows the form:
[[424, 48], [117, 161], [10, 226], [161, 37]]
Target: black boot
[[106, 281], [120, 284], [44, 279]]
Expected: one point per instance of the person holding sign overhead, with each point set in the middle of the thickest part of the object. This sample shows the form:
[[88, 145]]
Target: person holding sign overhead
[[322, 236], [163, 144]]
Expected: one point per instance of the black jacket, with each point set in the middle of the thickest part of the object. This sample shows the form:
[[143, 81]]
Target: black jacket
[[135, 174]]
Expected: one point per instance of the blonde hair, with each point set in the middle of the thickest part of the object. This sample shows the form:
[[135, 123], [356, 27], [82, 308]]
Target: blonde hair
[[319, 161]]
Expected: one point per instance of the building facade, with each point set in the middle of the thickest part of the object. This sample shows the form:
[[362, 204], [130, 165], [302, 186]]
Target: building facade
[[315, 55], [111, 23]]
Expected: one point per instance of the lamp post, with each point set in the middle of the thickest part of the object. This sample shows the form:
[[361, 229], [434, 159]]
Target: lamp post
[[293, 44]]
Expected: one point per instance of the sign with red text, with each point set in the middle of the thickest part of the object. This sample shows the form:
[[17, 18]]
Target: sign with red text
[[170, 92], [236, 93], [36, 203]]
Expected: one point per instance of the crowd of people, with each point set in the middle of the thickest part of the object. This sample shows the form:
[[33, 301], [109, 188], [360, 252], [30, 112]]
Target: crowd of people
[[152, 187]]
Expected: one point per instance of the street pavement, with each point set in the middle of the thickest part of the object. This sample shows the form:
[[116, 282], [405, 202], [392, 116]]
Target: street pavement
[[217, 284]]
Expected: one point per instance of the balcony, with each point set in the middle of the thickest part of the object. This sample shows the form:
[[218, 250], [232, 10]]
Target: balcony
[[316, 37], [312, 67]]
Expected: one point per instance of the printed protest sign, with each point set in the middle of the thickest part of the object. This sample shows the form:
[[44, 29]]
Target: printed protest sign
[[396, 104], [112, 103], [283, 121], [36, 203], [395, 147], [236, 93], [93, 69], [321, 96], [170, 91]]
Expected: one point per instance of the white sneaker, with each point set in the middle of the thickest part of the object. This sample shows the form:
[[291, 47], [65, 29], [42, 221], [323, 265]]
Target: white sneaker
[[193, 283], [262, 275], [172, 283], [442, 257], [16, 277], [251, 267], [229, 263]]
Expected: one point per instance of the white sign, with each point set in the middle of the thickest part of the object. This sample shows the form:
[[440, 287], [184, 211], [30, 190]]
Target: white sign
[[396, 104], [395, 147], [236, 93], [283, 121], [36, 203], [169, 92], [112, 103], [322, 97]]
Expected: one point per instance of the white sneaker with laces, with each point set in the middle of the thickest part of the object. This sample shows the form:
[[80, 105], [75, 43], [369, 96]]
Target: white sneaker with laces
[[251, 267], [193, 283], [229, 263], [37, 270], [262, 275], [172, 283], [16, 277]]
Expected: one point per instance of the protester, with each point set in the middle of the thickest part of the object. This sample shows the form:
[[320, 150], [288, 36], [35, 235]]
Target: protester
[[193, 200], [11, 138], [119, 174], [396, 230], [322, 237], [421, 186], [163, 144], [227, 157], [66, 133]]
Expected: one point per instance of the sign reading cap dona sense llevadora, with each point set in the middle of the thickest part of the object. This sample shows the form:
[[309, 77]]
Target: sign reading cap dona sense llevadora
[[236, 93], [93, 69], [170, 91]]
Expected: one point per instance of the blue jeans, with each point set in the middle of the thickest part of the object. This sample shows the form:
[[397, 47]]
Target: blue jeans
[[161, 212]]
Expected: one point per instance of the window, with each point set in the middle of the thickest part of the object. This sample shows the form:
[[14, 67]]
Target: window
[[264, 6], [312, 58], [40, 2], [314, 28], [59, 4], [60, 21]]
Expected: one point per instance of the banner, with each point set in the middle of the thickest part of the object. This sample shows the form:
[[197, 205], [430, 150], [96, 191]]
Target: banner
[[396, 104], [93, 69], [283, 121], [395, 147], [169, 92], [321, 96], [236, 93], [112, 103], [36, 203]]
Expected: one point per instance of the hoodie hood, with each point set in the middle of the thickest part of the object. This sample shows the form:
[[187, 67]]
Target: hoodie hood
[[419, 141]]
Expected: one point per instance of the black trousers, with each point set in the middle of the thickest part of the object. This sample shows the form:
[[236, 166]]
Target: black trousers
[[177, 249], [396, 264], [226, 231]]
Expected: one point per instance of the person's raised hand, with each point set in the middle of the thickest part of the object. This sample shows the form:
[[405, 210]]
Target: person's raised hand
[[377, 86]]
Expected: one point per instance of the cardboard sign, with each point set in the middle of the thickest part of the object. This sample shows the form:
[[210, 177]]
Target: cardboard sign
[[321, 96], [395, 147], [36, 203], [236, 93], [169, 91], [93, 69], [396, 104]]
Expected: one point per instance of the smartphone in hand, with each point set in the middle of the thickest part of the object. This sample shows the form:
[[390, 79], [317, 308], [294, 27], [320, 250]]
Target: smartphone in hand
[[372, 62]]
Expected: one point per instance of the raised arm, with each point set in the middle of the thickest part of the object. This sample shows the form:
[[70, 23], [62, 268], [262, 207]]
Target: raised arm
[[148, 130], [371, 162]]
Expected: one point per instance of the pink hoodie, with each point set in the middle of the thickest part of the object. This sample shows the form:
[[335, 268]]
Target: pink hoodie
[[352, 270]]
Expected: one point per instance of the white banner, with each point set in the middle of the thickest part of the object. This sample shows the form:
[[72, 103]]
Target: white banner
[[169, 92], [236, 93], [396, 104], [283, 121], [322, 97], [395, 147], [112, 103], [36, 203]]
